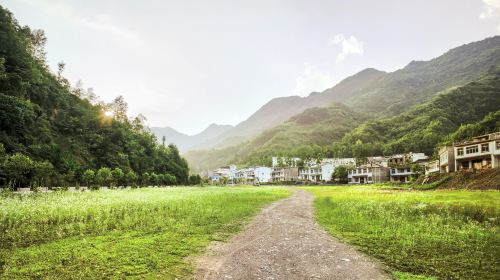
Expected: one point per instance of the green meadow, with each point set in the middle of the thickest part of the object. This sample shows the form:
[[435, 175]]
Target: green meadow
[[137, 233], [443, 234]]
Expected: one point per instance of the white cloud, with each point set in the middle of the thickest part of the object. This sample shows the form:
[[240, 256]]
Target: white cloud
[[102, 22], [491, 10], [312, 80], [350, 45]]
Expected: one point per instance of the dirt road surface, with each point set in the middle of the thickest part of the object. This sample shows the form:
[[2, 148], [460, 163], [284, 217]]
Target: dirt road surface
[[284, 242]]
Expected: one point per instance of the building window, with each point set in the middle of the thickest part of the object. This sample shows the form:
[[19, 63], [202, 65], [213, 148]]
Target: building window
[[460, 151], [408, 170], [393, 171], [485, 148], [370, 179], [471, 149], [498, 145]]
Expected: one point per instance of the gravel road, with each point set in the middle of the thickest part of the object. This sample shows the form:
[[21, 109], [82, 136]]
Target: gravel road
[[284, 242]]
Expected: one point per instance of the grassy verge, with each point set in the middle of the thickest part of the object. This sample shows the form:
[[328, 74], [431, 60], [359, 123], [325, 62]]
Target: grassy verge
[[444, 234], [142, 233]]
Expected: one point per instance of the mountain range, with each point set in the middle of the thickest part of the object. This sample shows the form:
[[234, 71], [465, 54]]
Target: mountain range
[[354, 102], [186, 142], [370, 92]]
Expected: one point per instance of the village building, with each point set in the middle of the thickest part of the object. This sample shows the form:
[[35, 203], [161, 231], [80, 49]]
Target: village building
[[401, 166], [368, 174], [285, 174], [228, 172], [478, 153], [446, 159], [432, 167], [262, 174], [310, 173], [400, 174]]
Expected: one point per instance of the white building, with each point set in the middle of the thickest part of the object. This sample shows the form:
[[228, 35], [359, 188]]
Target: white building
[[478, 153], [310, 173], [431, 167], [263, 174], [228, 172]]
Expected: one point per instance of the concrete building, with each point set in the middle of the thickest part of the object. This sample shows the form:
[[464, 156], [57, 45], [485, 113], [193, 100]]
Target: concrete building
[[368, 174], [310, 173], [478, 153], [228, 172], [262, 174], [285, 174], [446, 159], [432, 167], [400, 174], [245, 176], [327, 170]]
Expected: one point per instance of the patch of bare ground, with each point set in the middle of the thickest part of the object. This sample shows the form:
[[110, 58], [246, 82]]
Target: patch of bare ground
[[285, 242]]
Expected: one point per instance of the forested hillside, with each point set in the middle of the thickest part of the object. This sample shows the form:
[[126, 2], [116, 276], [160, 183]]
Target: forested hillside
[[375, 92], [50, 131], [423, 127]]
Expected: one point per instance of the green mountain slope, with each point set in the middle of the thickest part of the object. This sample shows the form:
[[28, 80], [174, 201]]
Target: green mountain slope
[[420, 80], [419, 129], [43, 118], [303, 134], [378, 93], [424, 126]]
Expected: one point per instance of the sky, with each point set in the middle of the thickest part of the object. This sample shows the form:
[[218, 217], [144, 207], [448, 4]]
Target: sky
[[187, 64]]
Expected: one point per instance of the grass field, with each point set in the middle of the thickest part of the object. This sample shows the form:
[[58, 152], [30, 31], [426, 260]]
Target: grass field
[[441, 234], [138, 233]]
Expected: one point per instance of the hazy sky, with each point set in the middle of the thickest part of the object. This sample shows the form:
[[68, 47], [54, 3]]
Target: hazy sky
[[187, 64]]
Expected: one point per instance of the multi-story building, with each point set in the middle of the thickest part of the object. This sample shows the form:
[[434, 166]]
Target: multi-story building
[[245, 176], [446, 159], [262, 174], [310, 173], [401, 166], [228, 172], [478, 153], [316, 171], [431, 167], [285, 174], [368, 174], [400, 174]]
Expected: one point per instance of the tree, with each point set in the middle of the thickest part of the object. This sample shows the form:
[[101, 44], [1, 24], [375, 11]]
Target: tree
[[104, 176], [119, 108], [131, 178], [88, 177], [340, 173], [154, 179], [17, 169], [42, 172], [146, 179], [170, 179], [118, 176], [194, 179]]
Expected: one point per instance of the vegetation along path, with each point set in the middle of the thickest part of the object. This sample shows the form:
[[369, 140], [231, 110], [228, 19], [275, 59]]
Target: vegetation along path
[[284, 242]]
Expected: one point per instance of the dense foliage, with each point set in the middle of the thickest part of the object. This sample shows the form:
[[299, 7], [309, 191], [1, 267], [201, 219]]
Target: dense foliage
[[424, 127], [47, 125]]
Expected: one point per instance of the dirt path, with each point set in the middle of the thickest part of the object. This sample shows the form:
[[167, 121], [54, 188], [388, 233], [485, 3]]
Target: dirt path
[[284, 242]]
